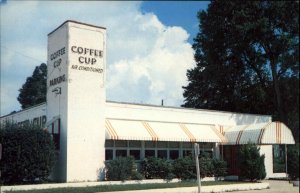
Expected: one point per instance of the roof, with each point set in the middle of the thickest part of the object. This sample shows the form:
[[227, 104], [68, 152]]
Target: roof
[[77, 22], [183, 108]]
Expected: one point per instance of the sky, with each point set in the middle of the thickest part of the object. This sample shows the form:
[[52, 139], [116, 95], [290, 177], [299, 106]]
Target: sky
[[148, 45]]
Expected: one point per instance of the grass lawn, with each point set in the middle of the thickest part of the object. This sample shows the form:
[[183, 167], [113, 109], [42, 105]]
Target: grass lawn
[[111, 188]]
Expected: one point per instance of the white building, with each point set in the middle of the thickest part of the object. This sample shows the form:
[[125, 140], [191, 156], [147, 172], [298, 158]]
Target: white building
[[88, 130]]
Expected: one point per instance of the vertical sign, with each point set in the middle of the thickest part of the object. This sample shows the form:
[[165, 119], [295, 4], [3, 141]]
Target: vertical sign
[[57, 83]]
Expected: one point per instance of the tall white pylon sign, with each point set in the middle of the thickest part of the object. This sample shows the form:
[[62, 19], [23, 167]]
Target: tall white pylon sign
[[76, 97]]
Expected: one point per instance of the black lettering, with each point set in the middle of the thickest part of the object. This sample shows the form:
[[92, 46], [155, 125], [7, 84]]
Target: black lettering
[[93, 61], [74, 66], [73, 48], [91, 51], [86, 50], [57, 80], [80, 59], [87, 60], [58, 53], [79, 50]]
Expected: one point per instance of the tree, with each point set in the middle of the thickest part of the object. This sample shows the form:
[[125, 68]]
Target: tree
[[28, 153], [247, 60], [34, 90], [251, 163]]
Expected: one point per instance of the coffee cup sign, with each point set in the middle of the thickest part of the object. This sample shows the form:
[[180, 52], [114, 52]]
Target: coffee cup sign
[[87, 55]]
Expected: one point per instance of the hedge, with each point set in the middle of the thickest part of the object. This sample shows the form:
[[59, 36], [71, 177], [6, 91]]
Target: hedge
[[28, 153], [122, 168], [153, 168]]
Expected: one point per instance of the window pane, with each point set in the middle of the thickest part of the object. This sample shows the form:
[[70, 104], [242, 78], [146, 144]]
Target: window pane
[[162, 144], [149, 153], [109, 143], [206, 154], [121, 143], [121, 153], [187, 153], [174, 154], [162, 154], [150, 144], [56, 140], [278, 158], [135, 144], [173, 144], [136, 154], [108, 154], [187, 145]]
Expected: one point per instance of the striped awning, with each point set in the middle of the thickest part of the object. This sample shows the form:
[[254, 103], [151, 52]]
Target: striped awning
[[262, 133], [120, 129]]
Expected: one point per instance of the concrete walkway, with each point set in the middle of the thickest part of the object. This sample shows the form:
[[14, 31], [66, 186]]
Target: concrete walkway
[[277, 186], [267, 186], [205, 189]]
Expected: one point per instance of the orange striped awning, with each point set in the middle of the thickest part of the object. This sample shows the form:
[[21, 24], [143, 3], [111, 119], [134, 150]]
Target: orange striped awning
[[121, 129], [261, 133]]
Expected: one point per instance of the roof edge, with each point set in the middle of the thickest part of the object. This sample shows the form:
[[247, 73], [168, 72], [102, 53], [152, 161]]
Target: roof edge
[[43, 103], [77, 22], [184, 108]]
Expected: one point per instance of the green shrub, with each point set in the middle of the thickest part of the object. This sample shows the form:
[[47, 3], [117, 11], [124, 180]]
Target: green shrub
[[122, 168], [251, 163], [185, 168], [206, 166], [28, 153], [157, 168], [293, 161], [220, 167]]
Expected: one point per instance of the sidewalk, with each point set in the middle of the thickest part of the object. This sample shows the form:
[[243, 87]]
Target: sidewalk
[[277, 186], [205, 189], [216, 188], [267, 186]]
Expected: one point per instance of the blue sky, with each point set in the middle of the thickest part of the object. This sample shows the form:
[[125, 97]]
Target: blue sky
[[148, 52], [174, 13]]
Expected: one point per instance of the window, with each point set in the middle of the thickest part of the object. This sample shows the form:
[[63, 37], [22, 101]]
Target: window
[[121, 143], [206, 154], [162, 144], [150, 144], [173, 145], [121, 153], [187, 145], [187, 153], [162, 154], [149, 153], [108, 154], [56, 139], [109, 143], [174, 154], [55, 131], [278, 158], [135, 144], [136, 154]]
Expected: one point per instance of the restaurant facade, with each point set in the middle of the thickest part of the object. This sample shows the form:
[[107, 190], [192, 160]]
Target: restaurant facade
[[89, 130]]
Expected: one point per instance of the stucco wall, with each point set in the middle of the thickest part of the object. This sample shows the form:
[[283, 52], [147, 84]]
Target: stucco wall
[[36, 114]]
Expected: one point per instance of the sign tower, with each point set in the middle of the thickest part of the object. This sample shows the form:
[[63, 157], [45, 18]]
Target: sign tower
[[76, 99]]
